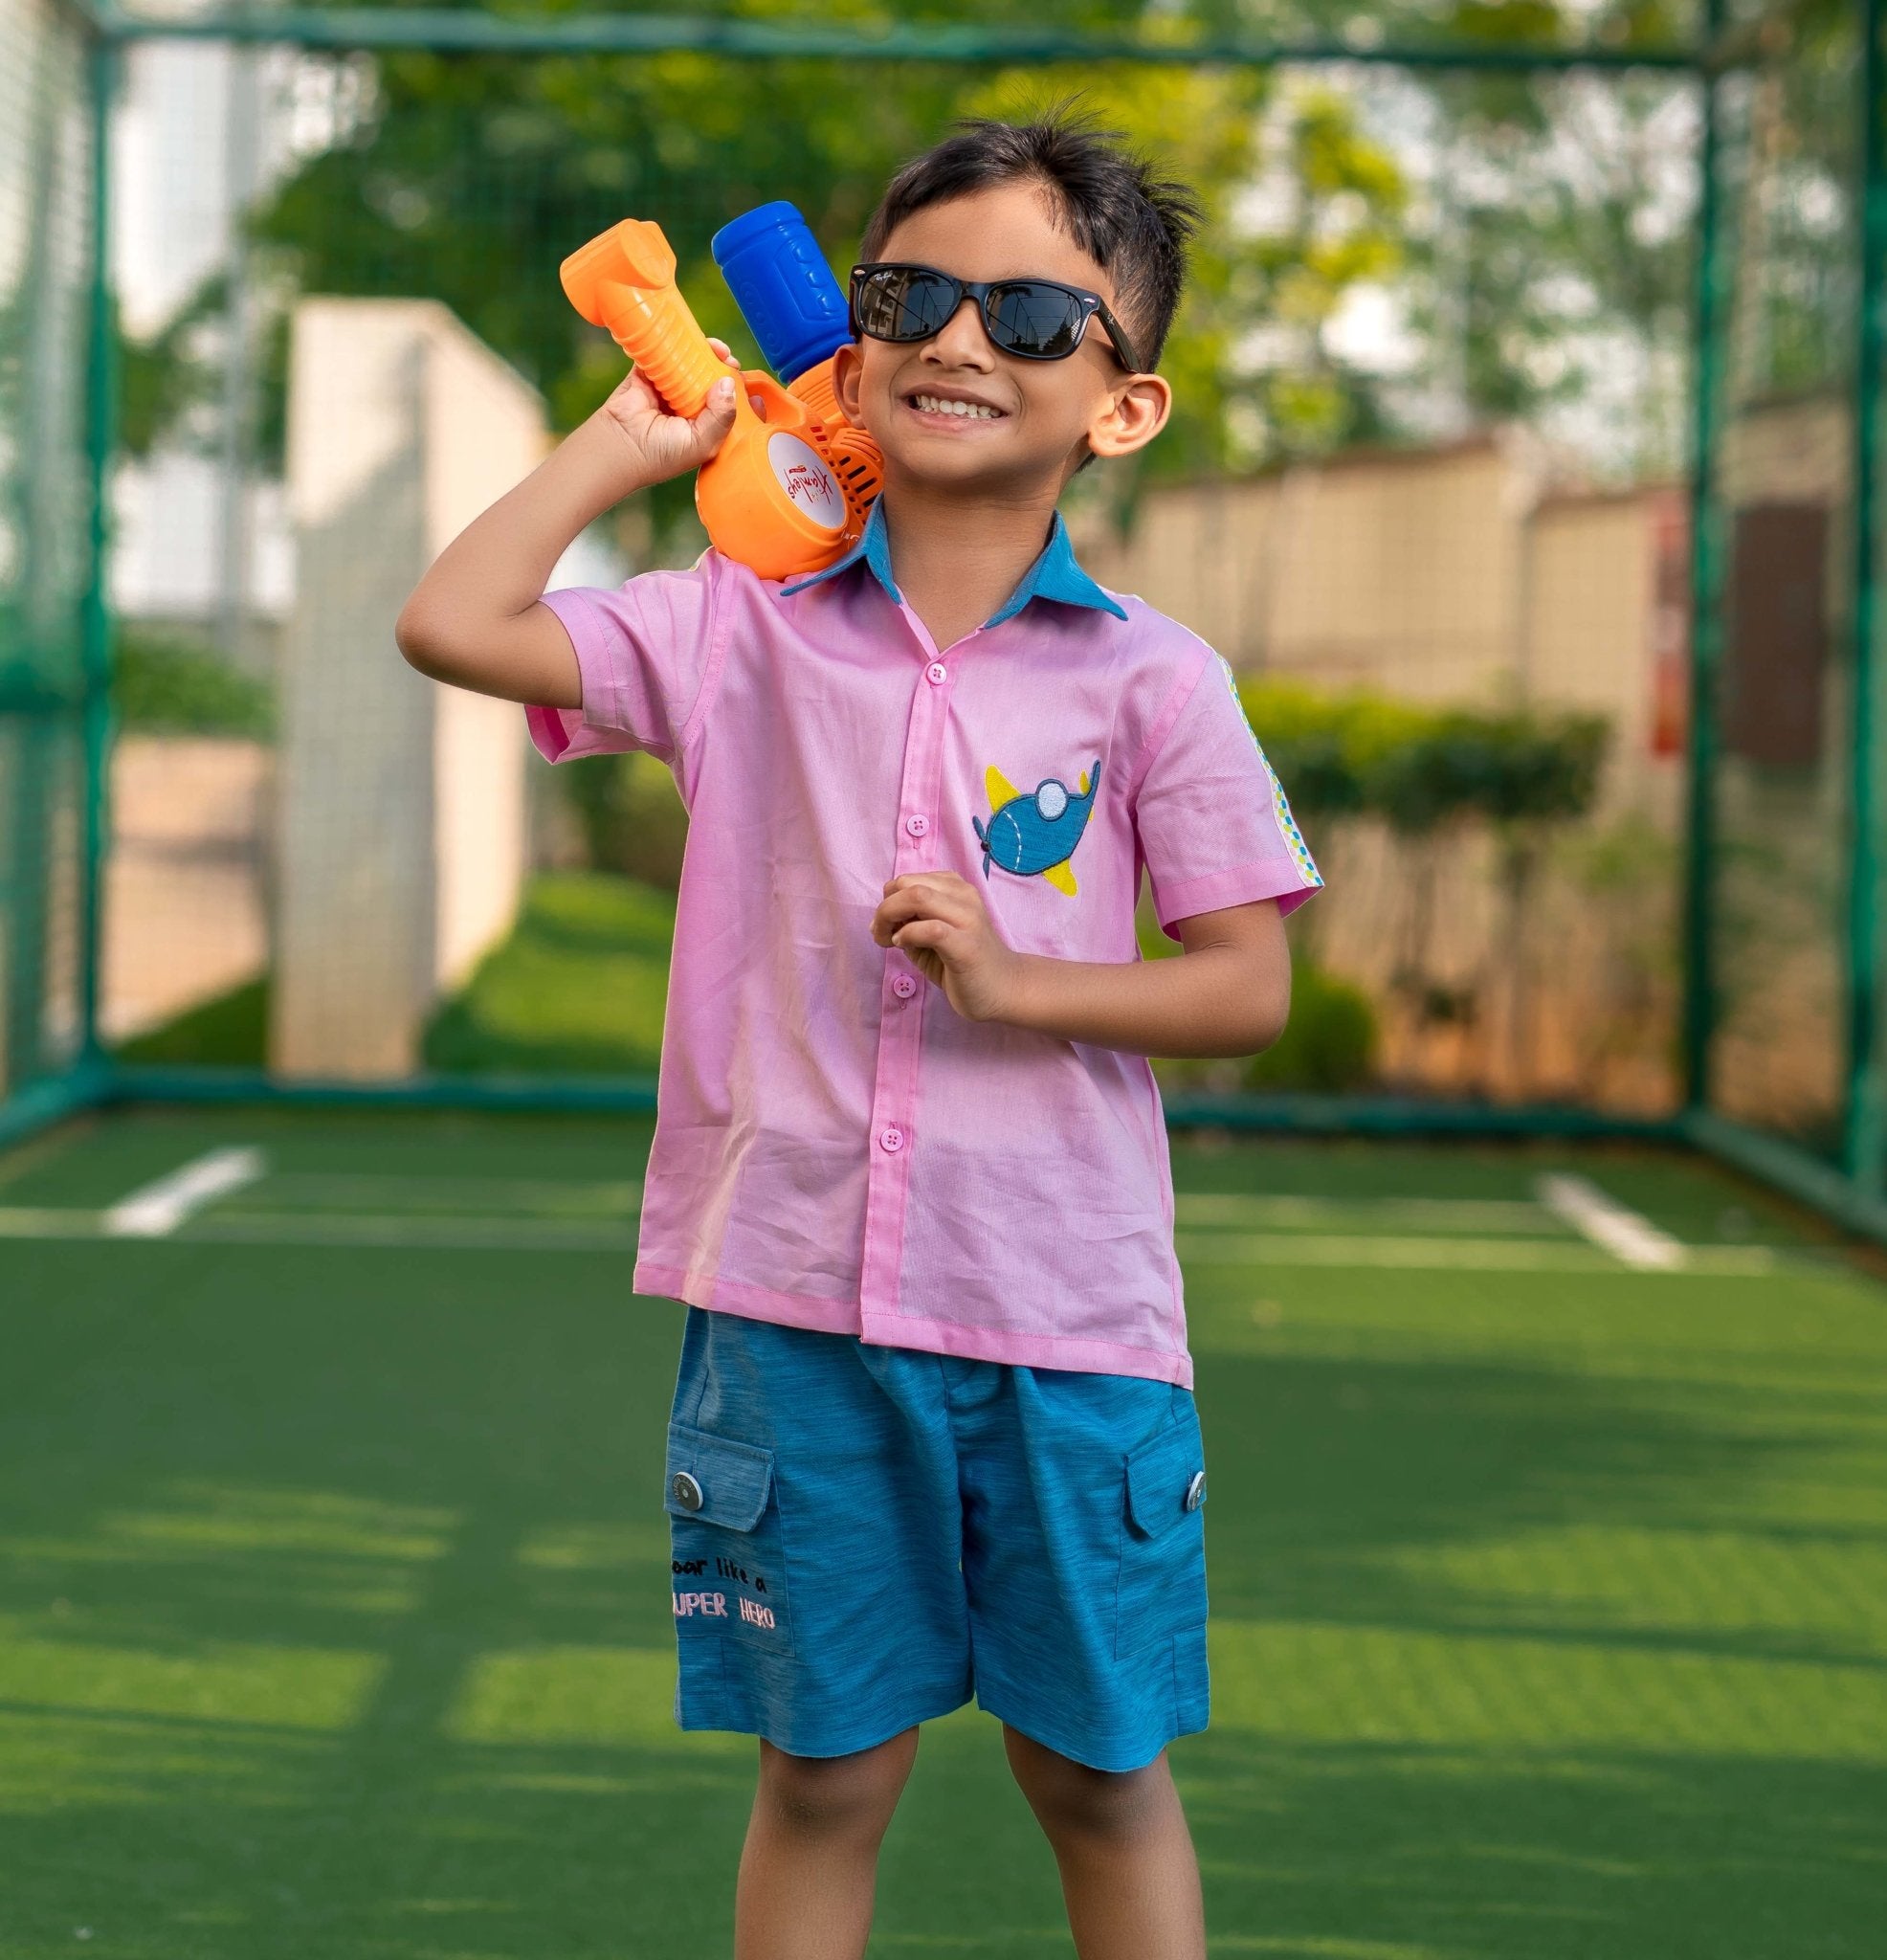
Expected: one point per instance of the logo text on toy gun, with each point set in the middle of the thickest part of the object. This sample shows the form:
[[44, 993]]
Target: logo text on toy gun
[[805, 485], [805, 480]]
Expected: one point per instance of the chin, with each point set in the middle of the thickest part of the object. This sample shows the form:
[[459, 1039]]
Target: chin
[[953, 465]]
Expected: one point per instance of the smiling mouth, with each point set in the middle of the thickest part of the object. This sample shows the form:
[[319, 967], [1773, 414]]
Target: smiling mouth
[[952, 407]]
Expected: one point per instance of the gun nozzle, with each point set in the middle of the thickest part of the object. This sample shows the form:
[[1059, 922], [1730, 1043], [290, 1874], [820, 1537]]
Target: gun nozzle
[[633, 252]]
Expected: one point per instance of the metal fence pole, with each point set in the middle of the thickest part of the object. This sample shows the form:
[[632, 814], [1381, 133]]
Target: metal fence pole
[[1863, 1154], [1706, 624], [101, 434]]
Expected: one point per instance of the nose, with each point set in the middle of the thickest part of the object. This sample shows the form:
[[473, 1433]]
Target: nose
[[961, 341]]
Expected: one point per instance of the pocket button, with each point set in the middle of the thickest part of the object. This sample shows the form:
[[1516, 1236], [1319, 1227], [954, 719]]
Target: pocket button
[[1195, 1491], [686, 1491]]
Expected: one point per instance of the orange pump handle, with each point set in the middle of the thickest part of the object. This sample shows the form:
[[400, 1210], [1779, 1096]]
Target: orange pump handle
[[624, 282]]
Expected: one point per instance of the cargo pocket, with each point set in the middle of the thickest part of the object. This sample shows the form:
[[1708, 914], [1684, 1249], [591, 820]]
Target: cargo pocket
[[1162, 1539], [727, 1568]]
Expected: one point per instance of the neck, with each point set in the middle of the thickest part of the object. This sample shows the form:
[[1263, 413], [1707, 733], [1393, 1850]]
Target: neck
[[957, 558]]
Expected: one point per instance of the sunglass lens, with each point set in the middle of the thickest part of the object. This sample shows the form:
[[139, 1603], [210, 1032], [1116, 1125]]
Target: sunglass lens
[[904, 303], [1039, 322]]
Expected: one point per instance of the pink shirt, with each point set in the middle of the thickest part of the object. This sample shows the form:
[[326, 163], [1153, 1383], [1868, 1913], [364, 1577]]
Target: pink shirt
[[835, 1146]]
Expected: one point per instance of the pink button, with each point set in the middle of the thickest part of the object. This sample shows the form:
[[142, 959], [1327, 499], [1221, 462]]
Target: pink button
[[904, 985], [892, 1138], [937, 673], [917, 825]]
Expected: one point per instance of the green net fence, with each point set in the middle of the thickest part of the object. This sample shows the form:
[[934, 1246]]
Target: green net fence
[[47, 256], [1441, 379], [1785, 367]]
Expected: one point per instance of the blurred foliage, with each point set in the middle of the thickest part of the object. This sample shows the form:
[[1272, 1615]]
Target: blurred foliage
[[578, 988], [630, 815], [1419, 768], [230, 1030], [1329, 1045], [173, 685], [1428, 774], [467, 178], [1539, 233]]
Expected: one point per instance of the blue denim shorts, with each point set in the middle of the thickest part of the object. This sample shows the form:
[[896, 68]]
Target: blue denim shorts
[[864, 1537]]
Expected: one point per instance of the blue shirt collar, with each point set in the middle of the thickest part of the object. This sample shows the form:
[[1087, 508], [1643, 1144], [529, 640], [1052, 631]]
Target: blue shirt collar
[[1054, 574]]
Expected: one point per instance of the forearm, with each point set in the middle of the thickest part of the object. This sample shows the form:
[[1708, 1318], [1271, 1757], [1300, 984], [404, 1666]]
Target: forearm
[[1207, 1002], [497, 566]]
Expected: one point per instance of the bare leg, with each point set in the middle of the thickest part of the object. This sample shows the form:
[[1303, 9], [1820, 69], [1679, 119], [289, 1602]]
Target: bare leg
[[1128, 1873], [808, 1870]]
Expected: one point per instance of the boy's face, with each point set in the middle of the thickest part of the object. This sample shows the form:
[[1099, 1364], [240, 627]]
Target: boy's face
[[1046, 414]]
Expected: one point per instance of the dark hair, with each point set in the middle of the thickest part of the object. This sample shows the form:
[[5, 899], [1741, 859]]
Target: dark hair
[[1111, 201]]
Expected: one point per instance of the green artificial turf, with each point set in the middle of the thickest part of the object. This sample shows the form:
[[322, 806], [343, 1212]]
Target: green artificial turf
[[1549, 1609]]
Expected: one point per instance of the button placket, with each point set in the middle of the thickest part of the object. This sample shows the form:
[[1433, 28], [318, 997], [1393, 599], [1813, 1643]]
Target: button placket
[[894, 1084]]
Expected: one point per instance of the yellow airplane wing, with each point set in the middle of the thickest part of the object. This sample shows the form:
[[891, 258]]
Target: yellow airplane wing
[[999, 787]]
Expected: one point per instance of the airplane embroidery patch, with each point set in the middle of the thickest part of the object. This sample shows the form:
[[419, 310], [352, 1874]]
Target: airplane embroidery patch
[[1034, 835]]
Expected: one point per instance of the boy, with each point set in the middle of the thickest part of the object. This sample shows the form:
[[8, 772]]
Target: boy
[[933, 1430]]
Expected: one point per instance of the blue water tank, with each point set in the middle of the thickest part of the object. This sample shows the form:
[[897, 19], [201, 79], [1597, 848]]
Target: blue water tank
[[785, 291]]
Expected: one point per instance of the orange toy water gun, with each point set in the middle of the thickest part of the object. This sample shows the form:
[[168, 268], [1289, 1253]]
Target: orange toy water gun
[[788, 491]]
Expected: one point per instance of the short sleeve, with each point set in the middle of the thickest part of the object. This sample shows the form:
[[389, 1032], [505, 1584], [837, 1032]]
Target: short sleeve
[[646, 651], [1214, 826]]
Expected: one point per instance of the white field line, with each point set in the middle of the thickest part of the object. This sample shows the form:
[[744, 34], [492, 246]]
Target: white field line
[[1626, 1235], [1445, 1254], [1523, 1216], [156, 1209]]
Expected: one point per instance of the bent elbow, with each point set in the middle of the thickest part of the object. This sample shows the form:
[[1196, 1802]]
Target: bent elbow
[[416, 634], [1269, 1019]]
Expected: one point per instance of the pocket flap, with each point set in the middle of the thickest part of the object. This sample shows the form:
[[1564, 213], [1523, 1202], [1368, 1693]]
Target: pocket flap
[[733, 1478], [1159, 1474]]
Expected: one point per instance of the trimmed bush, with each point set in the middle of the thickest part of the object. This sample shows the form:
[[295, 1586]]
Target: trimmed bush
[[168, 684], [1329, 1043]]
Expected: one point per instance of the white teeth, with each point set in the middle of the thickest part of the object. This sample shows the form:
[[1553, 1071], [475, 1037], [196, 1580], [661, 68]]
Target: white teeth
[[939, 405]]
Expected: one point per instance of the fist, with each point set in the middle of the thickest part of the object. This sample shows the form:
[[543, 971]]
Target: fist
[[666, 445], [939, 920]]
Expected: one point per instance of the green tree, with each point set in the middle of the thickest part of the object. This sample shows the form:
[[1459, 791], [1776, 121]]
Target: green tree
[[467, 178]]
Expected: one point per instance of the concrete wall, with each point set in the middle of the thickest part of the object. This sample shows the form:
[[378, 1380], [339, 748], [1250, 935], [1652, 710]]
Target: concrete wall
[[1400, 571], [1457, 575], [401, 827], [185, 913]]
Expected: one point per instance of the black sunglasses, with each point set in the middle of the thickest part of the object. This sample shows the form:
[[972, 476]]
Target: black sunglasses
[[1035, 319]]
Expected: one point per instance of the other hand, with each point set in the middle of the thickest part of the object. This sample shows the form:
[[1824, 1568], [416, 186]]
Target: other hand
[[939, 918]]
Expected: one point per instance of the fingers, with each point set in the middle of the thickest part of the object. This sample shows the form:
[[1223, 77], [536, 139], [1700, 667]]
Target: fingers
[[934, 894], [715, 418], [944, 883], [940, 896], [924, 932], [722, 348]]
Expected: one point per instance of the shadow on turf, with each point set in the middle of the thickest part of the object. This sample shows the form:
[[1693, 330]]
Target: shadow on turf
[[445, 1471]]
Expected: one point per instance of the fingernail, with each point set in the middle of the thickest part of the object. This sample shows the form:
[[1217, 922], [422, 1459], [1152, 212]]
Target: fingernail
[[722, 392]]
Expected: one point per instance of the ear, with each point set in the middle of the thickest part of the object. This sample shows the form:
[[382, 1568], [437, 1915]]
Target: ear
[[1133, 414], [847, 361]]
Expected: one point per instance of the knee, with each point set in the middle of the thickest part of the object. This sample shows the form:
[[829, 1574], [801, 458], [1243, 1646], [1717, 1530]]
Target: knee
[[840, 1796], [1071, 1800]]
